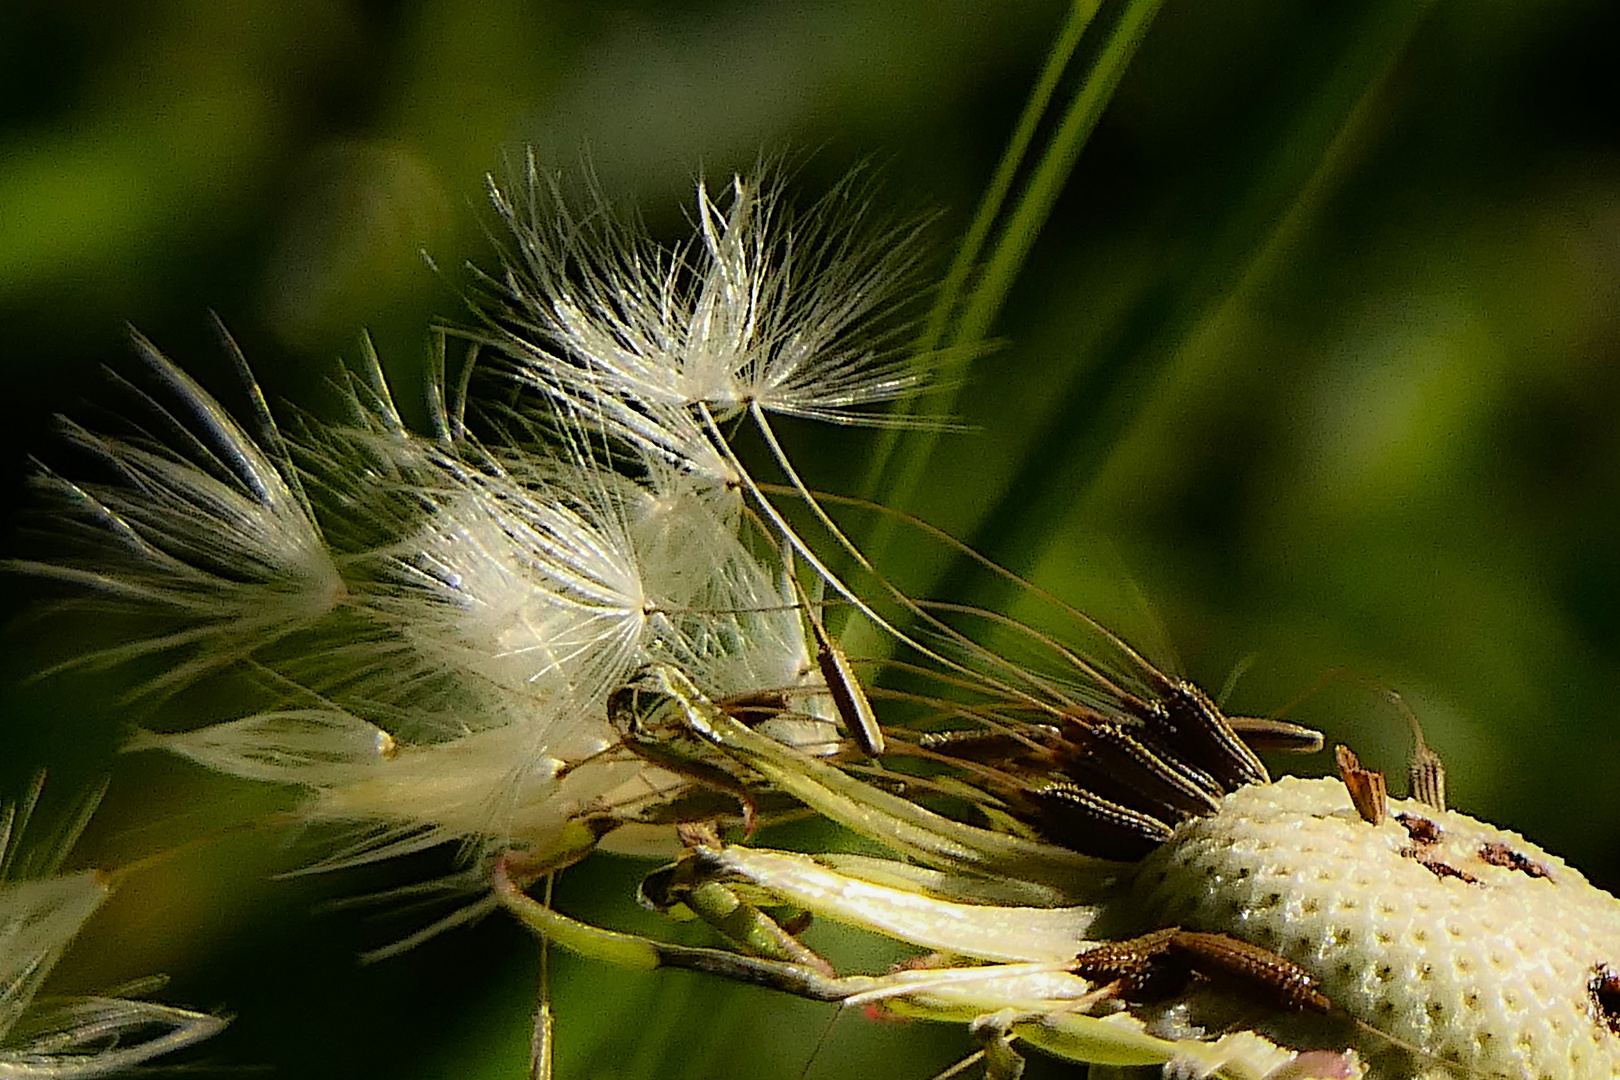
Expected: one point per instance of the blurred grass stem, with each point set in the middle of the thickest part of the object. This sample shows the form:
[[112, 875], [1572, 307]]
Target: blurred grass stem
[[957, 324], [1223, 244]]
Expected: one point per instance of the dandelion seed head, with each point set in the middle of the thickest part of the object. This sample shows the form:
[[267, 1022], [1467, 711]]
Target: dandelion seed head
[[438, 620], [1451, 935], [494, 597]]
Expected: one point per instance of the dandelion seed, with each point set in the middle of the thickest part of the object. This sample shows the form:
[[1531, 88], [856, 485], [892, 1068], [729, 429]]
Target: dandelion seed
[[791, 312], [523, 585], [195, 523], [41, 911]]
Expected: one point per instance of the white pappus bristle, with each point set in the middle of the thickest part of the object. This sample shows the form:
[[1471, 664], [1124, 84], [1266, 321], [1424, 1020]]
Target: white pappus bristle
[[41, 911], [791, 312]]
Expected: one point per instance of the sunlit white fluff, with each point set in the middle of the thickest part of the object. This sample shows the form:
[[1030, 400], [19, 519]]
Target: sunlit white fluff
[[192, 522], [437, 618], [794, 313], [523, 590], [545, 585], [41, 910]]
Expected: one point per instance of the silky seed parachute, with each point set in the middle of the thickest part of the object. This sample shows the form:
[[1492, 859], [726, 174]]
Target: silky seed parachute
[[41, 910]]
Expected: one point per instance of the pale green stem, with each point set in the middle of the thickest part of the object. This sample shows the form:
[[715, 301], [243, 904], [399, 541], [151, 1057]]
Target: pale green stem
[[893, 821]]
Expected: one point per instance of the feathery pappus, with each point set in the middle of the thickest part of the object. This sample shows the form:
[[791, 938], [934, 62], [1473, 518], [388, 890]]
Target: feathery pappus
[[42, 908], [438, 619]]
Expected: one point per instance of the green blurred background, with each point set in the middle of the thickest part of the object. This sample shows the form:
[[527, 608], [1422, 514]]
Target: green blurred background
[[1316, 365]]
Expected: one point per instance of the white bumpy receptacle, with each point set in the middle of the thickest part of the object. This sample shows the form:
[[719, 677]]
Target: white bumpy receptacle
[[1443, 932]]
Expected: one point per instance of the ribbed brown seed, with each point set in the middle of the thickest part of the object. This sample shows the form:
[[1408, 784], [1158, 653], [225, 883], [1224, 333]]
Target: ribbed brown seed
[[1164, 785], [1185, 717], [1097, 754], [1292, 985], [1157, 964], [1086, 822], [1367, 789], [1108, 787], [1143, 966], [1263, 733], [997, 747], [849, 698]]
